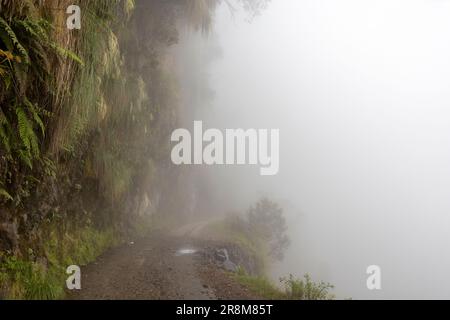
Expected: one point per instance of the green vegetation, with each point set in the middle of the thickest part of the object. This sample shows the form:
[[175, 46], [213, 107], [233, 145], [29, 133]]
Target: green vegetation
[[26, 55], [83, 132], [291, 287], [259, 285], [22, 279], [261, 234], [306, 289], [265, 221], [32, 278], [230, 230]]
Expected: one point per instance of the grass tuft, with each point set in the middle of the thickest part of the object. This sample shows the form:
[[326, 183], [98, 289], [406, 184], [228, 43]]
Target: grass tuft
[[44, 279], [291, 288]]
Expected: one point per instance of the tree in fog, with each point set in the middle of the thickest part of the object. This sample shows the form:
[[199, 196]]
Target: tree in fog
[[266, 221], [199, 13]]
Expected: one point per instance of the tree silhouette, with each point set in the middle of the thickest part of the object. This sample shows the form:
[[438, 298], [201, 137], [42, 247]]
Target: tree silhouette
[[267, 222]]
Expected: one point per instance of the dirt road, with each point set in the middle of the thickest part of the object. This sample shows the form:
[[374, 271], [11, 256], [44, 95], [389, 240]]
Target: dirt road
[[159, 267]]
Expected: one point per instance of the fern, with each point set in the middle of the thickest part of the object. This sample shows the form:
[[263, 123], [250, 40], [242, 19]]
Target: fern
[[24, 127], [26, 133], [37, 29], [7, 55], [66, 53], [5, 140], [34, 144], [27, 50], [4, 37], [26, 145], [13, 37], [5, 194], [4, 125], [25, 156], [36, 117]]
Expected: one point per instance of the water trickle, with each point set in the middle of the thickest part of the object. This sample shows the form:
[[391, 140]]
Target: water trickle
[[185, 251]]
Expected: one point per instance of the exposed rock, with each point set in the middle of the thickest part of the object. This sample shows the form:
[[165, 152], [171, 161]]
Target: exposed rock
[[228, 264], [9, 237]]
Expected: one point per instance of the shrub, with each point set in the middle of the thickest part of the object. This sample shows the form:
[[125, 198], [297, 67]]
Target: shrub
[[266, 221], [306, 289], [292, 288]]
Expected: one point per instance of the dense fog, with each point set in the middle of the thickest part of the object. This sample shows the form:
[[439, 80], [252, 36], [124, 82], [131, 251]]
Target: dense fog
[[359, 91]]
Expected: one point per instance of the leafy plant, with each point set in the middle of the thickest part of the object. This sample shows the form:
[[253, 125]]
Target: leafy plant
[[30, 280], [266, 220], [11, 41], [5, 194], [259, 285], [306, 289], [292, 288], [26, 52]]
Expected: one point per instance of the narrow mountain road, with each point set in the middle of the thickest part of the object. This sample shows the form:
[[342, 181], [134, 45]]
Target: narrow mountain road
[[158, 267]]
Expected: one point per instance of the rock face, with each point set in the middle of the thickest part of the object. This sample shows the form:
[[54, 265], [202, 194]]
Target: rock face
[[9, 238], [224, 260], [231, 257]]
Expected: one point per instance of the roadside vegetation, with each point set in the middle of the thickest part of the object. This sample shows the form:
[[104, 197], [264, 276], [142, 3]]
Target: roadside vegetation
[[289, 288], [36, 278], [261, 234]]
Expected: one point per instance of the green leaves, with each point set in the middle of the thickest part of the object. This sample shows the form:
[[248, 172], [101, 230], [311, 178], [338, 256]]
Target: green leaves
[[27, 136], [26, 52], [22, 139], [65, 53], [7, 31], [5, 194], [306, 288], [33, 110], [5, 129]]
